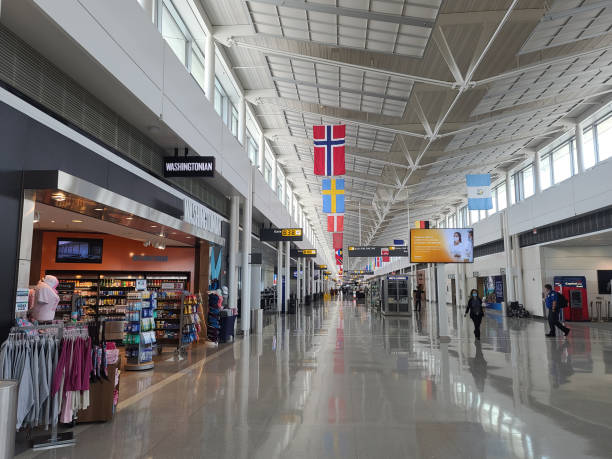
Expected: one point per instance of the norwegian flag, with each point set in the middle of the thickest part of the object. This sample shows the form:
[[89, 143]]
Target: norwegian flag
[[329, 144], [335, 223], [338, 240], [385, 255], [339, 257]]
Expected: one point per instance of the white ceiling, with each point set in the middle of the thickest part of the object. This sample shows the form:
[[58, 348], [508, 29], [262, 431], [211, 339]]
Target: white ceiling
[[429, 91]]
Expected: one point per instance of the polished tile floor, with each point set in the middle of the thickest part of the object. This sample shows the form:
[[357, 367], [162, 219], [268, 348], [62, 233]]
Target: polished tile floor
[[340, 381]]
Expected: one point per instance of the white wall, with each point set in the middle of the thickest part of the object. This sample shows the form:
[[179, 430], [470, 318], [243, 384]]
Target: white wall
[[533, 282]]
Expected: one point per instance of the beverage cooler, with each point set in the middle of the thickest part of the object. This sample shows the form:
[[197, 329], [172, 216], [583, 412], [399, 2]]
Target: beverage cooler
[[396, 295], [573, 288]]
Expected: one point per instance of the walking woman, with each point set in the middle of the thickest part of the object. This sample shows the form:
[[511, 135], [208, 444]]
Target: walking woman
[[474, 307]]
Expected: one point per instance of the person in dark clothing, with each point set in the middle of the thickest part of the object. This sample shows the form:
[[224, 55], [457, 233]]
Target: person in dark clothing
[[551, 299], [474, 307], [418, 293]]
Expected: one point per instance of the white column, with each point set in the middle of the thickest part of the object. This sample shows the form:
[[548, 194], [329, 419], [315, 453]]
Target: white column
[[536, 173], [579, 148], [442, 310], [311, 276], [233, 251], [209, 68], [261, 153], [509, 294], [518, 267], [303, 281], [245, 310], [242, 121], [25, 241], [279, 277], [287, 274]]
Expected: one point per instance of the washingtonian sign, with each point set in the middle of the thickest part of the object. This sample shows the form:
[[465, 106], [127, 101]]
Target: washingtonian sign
[[201, 216], [189, 166]]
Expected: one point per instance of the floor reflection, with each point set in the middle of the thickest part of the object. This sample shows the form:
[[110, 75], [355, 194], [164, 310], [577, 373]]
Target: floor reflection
[[340, 381]]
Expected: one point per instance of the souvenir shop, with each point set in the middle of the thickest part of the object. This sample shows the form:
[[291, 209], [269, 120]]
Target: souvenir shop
[[105, 286]]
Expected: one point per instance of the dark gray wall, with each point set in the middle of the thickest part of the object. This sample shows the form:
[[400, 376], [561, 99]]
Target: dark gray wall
[[28, 145]]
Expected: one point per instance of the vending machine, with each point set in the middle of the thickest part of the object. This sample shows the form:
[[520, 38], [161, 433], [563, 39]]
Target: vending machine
[[573, 288]]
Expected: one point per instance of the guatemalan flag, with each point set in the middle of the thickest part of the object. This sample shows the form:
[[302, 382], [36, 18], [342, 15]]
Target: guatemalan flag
[[479, 192], [333, 196], [329, 144], [335, 223], [339, 257]]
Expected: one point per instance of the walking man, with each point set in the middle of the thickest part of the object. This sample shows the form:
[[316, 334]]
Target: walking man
[[418, 293], [554, 305]]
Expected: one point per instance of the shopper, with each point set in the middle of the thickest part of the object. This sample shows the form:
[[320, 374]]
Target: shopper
[[418, 293], [474, 307], [554, 309]]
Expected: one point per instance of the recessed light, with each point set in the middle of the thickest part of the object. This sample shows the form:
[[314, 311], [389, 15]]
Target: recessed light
[[99, 209], [153, 226], [174, 232], [129, 218], [77, 221], [52, 221], [58, 196], [189, 237]]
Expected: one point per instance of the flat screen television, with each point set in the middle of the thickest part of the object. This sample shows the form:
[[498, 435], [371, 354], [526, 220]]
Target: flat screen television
[[442, 245], [71, 250], [604, 281]]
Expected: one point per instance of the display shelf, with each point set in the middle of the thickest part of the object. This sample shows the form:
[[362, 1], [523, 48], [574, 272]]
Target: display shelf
[[139, 330]]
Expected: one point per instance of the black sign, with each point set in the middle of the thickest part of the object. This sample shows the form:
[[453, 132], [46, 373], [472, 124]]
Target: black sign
[[360, 272], [303, 253], [255, 259], [282, 234], [156, 258], [398, 251], [189, 166], [361, 251], [66, 286]]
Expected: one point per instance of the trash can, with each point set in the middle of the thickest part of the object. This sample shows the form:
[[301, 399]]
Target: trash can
[[227, 328], [8, 417]]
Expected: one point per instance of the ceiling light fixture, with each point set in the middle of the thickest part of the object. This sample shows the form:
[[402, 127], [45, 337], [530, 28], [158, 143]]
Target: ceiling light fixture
[[77, 221], [59, 197], [129, 218], [153, 226], [99, 209]]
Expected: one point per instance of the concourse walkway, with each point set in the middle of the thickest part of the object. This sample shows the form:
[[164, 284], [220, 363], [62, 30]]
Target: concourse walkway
[[340, 381]]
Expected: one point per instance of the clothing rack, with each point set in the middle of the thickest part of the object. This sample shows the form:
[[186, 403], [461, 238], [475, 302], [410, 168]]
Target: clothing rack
[[55, 439]]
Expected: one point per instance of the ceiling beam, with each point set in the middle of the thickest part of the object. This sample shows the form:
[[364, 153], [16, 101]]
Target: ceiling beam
[[351, 12], [494, 16], [447, 54], [235, 41]]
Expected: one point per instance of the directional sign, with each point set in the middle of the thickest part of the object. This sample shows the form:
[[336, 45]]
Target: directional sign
[[364, 251], [303, 253], [282, 234], [398, 251]]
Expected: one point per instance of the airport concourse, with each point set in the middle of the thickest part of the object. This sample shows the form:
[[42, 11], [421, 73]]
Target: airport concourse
[[306, 229]]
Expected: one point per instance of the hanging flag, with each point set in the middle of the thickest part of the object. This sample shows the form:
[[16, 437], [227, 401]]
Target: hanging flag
[[421, 224], [335, 223], [385, 255], [377, 262], [333, 196], [329, 144], [339, 257], [479, 191], [338, 240]]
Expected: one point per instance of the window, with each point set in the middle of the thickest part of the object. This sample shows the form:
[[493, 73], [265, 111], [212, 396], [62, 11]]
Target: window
[[562, 163], [502, 202], [252, 148], [604, 139], [289, 201], [280, 184], [234, 121], [512, 191], [527, 182], [463, 217], [588, 145], [268, 172], [219, 99], [197, 66], [172, 33], [545, 172], [474, 216]]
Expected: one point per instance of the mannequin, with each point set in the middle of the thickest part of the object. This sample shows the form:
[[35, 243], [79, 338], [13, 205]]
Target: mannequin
[[45, 299]]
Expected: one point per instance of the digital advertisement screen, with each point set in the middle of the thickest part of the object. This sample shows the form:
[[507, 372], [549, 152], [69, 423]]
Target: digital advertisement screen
[[445, 245], [79, 251]]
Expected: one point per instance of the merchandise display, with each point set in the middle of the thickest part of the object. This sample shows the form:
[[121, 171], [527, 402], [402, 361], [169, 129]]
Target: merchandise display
[[191, 320], [215, 300], [139, 330]]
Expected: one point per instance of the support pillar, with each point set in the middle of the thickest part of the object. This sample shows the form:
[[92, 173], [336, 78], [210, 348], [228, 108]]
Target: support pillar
[[509, 294], [245, 310], [537, 182], [518, 269], [509, 190], [579, 148], [303, 282], [274, 176], [440, 281], [209, 68], [279, 277], [25, 244], [233, 251], [287, 274]]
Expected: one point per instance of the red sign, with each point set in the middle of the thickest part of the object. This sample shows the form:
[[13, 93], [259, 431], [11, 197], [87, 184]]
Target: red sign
[[385, 255]]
